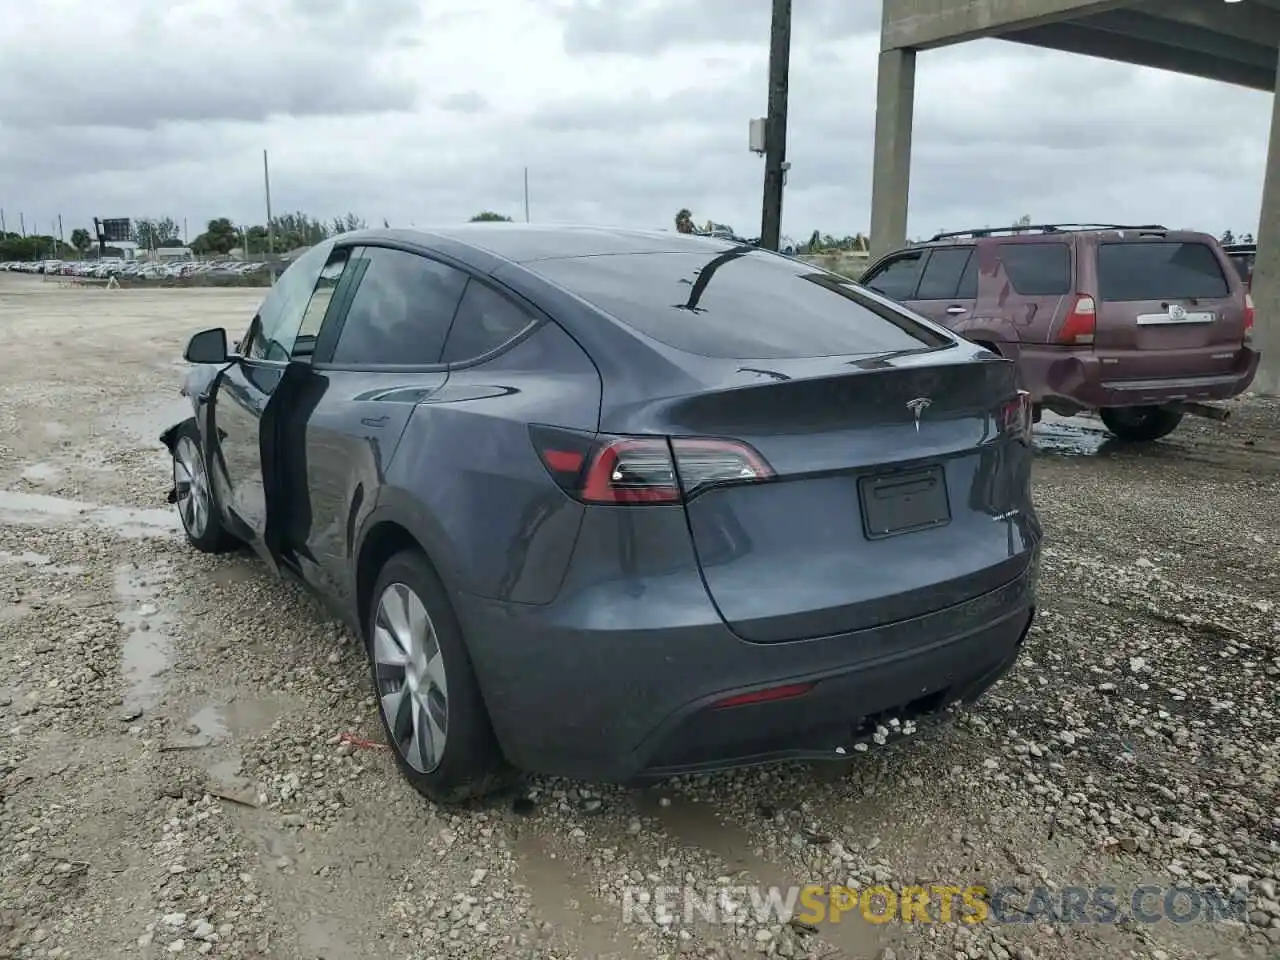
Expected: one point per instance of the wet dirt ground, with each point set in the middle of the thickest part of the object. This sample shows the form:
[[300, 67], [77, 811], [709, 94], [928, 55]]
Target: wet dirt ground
[[190, 762]]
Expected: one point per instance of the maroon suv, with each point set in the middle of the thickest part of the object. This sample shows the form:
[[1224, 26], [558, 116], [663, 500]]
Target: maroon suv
[[1138, 323]]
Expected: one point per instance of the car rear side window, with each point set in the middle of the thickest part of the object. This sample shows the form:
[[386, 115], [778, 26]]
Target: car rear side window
[[941, 279], [401, 309], [898, 278], [1160, 270], [484, 322], [1037, 269], [740, 304]]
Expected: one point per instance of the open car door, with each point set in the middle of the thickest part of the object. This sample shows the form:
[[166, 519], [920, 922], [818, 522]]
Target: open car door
[[247, 398]]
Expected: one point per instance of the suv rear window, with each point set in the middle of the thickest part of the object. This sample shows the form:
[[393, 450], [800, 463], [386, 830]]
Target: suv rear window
[[1037, 269], [1160, 270], [737, 305]]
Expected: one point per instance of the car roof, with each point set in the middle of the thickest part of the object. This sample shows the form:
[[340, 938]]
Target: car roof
[[524, 242], [1038, 233]]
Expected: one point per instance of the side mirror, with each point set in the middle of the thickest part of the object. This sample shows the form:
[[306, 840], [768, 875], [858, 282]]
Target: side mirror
[[207, 346]]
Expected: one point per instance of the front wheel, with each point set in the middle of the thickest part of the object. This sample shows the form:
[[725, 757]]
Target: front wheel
[[1140, 424], [194, 496]]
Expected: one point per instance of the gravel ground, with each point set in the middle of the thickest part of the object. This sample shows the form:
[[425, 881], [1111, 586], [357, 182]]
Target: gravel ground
[[189, 757]]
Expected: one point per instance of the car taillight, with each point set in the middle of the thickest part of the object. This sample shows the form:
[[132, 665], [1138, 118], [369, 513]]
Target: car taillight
[[1081, 323], [643, 470], [1015, 418], [1248, 317]]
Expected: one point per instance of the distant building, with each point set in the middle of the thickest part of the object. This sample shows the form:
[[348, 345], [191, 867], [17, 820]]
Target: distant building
[[171, 253]]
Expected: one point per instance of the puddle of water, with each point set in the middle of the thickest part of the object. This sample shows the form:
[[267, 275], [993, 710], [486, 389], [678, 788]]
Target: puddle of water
[[567, 901], [128, 522], [13, 612], [41, 473], [219, 725], [1070, 436], [233, 570], [27, 558], [697, 824], [147, 650]]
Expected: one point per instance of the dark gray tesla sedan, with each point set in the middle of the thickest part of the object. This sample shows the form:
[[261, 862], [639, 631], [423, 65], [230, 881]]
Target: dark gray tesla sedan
[[617, 505]]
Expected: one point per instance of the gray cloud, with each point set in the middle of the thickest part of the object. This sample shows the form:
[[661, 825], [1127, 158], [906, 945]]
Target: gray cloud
[[607, 26], [468, 101], [245, 62], [1001, 129]]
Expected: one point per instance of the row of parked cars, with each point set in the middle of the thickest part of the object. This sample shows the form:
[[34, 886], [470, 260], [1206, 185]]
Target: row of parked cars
[[1141, 323], [137, 269]]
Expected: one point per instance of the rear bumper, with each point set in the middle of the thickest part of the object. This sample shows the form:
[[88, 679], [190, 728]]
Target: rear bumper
[[602, 701], [1079, 378]]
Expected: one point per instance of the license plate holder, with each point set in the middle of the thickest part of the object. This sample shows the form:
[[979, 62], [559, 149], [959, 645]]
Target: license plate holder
[[904, 502]]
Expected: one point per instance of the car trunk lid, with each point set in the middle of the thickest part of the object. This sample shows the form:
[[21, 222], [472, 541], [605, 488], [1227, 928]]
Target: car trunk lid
[[897, 490], [1166, 307]]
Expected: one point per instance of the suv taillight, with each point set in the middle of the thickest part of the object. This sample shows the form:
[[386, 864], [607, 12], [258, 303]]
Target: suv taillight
[[1248, 317], [598, 468], [1081, 323]]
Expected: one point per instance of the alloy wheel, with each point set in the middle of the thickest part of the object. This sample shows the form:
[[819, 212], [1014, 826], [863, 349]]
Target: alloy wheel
[[409, 671], [191, 484]]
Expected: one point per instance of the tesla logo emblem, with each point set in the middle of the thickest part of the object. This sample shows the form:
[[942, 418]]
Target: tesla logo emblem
[[1177, 312], [917, 407]]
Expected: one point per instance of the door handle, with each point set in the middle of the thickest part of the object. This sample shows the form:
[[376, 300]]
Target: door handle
[[956, 310]]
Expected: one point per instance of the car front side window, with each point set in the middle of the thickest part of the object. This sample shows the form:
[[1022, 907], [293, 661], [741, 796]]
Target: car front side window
[[275, 328]]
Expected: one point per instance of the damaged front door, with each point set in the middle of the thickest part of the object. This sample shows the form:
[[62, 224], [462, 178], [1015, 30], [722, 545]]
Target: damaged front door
[[247, 394]]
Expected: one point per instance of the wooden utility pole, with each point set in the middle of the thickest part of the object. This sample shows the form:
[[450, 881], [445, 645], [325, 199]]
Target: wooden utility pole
[[775, 143]]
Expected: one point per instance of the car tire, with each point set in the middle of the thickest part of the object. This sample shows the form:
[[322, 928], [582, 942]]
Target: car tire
[[429, 702], [194, 496], [1140, 424]]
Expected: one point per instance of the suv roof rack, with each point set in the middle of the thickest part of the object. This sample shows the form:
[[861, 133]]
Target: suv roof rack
[[1044, 228]]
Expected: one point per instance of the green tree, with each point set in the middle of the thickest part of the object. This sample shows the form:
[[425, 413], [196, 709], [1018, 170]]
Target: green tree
[[149, 234], [1228, 237], [81, 239], [488, 216], [684, 220], [14, 246], [348, 223], [220, 237], [1023, 221]]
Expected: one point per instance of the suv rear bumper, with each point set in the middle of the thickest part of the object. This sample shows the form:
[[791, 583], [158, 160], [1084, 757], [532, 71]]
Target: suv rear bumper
[[1078, 378]]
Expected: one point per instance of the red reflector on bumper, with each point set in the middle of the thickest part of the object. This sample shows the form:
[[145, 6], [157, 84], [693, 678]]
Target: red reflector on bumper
[[764, 696]]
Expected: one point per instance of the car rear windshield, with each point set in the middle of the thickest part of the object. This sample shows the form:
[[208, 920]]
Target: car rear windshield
[[739, 305], [1160, 270]]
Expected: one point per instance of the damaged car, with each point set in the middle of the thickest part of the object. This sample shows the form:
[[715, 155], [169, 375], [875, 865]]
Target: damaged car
[[616, 505]]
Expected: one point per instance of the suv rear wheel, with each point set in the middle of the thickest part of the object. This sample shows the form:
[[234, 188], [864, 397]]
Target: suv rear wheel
[[1140, 424]]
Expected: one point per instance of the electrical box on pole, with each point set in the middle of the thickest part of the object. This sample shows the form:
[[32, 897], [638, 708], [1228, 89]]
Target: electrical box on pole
[[756, 134]]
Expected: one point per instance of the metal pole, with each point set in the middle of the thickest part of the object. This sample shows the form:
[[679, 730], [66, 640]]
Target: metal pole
[[3, 231], [775, 140], [266, 179], [22, 223], [526, 194], [60, 236]]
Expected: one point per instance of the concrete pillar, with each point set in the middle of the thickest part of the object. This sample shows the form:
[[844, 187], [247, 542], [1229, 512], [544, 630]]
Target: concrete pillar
[[1266, 277], [891, 174]]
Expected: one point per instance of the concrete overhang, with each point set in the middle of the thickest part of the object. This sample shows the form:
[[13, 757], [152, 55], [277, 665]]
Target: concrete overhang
[[1233, 42]]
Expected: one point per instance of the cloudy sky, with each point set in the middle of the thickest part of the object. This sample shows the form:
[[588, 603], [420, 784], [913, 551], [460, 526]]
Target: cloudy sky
[[622, 111]]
